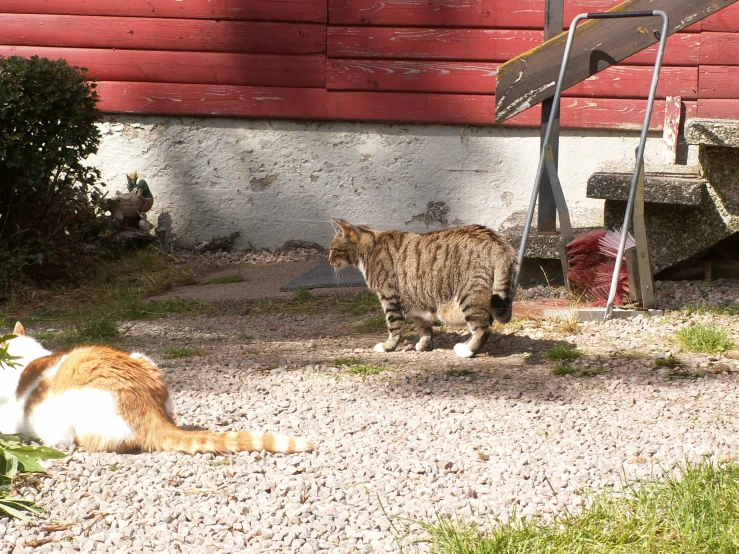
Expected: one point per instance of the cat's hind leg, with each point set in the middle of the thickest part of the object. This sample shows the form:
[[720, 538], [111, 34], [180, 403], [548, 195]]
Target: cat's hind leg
[[394, 317], [425, 330], [478, 317]]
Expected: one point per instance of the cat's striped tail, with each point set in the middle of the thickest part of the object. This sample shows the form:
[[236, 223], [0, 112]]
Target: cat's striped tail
[[502, 300], [174, 439]]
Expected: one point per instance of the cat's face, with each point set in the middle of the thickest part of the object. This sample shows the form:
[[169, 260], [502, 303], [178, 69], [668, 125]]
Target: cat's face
[[343, 248]]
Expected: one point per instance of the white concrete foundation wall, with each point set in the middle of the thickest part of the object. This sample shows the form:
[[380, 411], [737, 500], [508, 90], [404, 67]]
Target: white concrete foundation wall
[[275, 181]]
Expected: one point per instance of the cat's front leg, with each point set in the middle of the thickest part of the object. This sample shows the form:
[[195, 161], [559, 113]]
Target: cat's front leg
[[394, 317]]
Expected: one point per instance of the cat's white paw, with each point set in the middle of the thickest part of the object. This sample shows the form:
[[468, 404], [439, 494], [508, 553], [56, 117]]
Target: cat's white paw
[[462, 350], [379, 347]]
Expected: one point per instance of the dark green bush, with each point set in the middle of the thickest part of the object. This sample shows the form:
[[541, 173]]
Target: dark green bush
[[48, 196]]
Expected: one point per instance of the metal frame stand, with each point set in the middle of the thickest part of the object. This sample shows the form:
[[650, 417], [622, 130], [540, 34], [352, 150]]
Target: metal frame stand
[[636, 190]]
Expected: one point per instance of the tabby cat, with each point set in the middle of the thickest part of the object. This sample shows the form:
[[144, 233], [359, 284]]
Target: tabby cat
[[106, 400], [460, 276]]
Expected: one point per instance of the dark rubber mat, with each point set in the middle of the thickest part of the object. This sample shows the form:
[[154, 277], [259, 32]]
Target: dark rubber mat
[[323, 275]]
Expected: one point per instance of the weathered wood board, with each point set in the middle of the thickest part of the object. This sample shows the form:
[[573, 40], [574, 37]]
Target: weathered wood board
[[481, 45], [214, 68], [505, 14], [724, 108], [531, 77], [144, 33], [259, 10], [719, 81], [479, 78], [725, 20], [280, 102], [719, 48]]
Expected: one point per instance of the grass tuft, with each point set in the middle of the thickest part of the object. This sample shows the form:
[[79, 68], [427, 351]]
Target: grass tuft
[[564, 368], [362, 302], [704, 339], [697, 511], [562, 352], [355, 366], [670, 362], [373, 324]]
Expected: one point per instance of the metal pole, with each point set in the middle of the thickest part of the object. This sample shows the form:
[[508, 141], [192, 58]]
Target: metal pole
[[547, 134], [639, 164]]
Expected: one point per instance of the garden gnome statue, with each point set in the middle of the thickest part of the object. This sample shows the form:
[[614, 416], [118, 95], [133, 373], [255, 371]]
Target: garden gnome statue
[[132, 206]]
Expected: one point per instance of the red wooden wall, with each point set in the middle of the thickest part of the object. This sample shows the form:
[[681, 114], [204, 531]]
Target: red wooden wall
[[428, 61]]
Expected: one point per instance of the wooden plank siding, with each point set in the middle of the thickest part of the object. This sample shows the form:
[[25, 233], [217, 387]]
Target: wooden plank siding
[[148, 33], [187, 67], [501, 14], [314, 11], [425, 61], [725, 20], [175, 99], [479, 78]]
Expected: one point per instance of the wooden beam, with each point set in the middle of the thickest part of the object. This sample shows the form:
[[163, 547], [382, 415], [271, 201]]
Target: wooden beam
[[531, 77]]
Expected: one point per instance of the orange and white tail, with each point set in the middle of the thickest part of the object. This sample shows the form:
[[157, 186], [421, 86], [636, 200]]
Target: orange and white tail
[[170, 438]]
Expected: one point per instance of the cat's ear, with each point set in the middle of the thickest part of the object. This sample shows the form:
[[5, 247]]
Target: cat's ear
[[345, 229], [18, 330]]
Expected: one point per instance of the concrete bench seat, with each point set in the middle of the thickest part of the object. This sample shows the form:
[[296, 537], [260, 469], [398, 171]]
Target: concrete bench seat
[[669, 184], [712, 132]]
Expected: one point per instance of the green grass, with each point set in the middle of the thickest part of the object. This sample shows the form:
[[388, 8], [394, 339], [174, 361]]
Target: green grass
[[565, 368], [729, 309], [704, 339], [373, 324], [355, 366], [303, 301], [670, 362], [362, 302], [98, 329], [562, 352], [697, 512], [181, 352], [226, 279]]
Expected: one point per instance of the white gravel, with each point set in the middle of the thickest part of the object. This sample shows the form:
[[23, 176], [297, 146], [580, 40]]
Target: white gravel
[[435, 434]]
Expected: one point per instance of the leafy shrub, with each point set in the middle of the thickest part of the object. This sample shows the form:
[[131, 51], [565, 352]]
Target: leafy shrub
[[47, 194]]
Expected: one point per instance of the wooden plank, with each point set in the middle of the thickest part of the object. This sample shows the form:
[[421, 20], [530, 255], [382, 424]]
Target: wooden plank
[[138, 33], [212, 100], [411, 76], [530, 78], [681, 49], [481, 45], [671, 129], [304, 103], [479, 78], [634, 82], [519, 14], [725, 20], [711, 108], [478, 45], [187, 67], [719, 49], [719, 81], [632, 272], [259, 10], [646, 280]]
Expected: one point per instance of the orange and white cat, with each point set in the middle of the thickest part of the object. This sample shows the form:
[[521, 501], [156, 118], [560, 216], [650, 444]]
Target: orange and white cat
[[106, 400]]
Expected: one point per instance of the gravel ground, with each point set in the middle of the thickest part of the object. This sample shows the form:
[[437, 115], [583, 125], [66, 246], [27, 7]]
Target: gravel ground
[[433, 434]]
